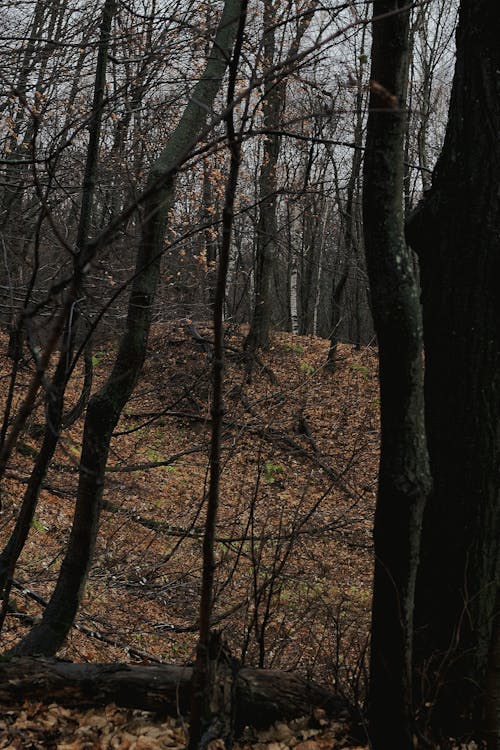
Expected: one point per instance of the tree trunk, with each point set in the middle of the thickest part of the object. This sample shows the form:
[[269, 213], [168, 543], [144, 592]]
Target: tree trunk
[[261, 696], [294, 316], [55, 394], [456, 232], [493, 684], [350, 209], [403, 473], [212, 688], [106, 405], [272, 105]]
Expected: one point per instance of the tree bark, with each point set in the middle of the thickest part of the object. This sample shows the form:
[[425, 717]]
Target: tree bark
[[492, 713], [456, 233], [404, 479], [262, 696]]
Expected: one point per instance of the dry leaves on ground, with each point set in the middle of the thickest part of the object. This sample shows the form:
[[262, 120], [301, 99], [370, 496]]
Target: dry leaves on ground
[[38, 727]]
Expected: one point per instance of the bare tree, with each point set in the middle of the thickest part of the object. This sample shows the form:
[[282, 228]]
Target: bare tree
[[56, 391], [105, 406]]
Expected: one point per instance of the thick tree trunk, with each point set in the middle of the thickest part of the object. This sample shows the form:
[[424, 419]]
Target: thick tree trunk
[[262, 696], [493, 684], [456, 232], [294, 316], [404, 473]]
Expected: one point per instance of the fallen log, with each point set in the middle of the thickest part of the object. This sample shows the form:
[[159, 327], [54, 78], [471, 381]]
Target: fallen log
[[262, 695]]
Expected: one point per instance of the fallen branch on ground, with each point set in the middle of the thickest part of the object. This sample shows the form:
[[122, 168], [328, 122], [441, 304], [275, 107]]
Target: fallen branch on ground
[[262, 695]]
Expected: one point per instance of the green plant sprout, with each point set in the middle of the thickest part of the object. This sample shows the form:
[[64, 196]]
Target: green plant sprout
[[306, 368], [97, 358], [272, 472], [295, 348], [38, 525], [362, 369]]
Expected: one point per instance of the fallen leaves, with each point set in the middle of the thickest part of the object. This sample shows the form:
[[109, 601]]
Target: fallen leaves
[[143, 588], [53, 727], [273, 482], [38, 727]]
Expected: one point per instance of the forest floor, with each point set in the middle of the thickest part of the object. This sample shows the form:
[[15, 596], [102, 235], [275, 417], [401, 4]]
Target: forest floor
[[294, 555], [52, 727]]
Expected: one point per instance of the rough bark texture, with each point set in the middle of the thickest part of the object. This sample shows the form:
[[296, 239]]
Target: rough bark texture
[[456, 232], [262, 696], [403, 474]]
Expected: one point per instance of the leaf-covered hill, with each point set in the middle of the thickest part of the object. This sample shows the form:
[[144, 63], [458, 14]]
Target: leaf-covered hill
[[294, 535]]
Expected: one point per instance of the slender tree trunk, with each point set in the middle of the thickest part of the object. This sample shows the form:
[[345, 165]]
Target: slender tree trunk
[[456, 232], [492, 713], [272, 105], [67, 321], [308, 230], [294, 316], [106, 405], [351, 247], [296, 240], [208, 712], [55, 397], [210, 234], [267, 232], [423, 127], [403, 473], [319, 278]]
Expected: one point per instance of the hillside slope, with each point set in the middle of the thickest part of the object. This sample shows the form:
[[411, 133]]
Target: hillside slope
[[297, 497]]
